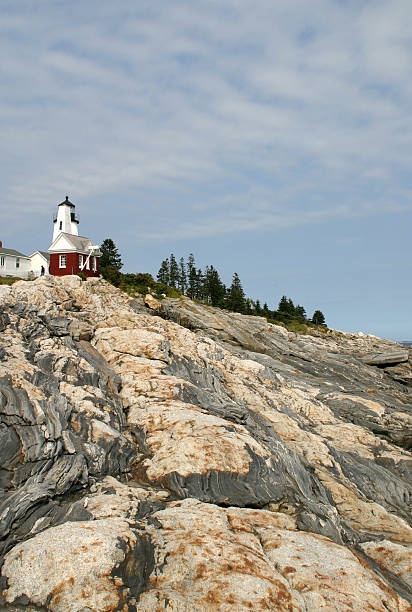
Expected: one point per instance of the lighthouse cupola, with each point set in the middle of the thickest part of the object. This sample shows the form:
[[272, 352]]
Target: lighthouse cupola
[[66, 220]]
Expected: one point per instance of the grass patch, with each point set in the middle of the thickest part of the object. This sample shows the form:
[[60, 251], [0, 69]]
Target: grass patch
[[9, 280]]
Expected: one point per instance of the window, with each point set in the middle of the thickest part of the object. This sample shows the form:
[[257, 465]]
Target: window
[[81, 262], [61, 225], [88, 263], [17, 262], [62, 263], [2, 261]]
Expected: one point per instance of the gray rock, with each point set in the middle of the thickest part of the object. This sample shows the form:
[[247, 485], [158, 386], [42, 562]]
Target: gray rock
[[386, 359]]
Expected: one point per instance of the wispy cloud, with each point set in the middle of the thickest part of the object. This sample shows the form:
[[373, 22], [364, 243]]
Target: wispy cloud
[[223, 116]]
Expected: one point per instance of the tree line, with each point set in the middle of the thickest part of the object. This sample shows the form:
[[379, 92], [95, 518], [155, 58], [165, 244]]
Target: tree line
[[176, 277], [207, 287]]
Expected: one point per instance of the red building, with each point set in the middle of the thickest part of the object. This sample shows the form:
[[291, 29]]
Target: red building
[[69, 252]]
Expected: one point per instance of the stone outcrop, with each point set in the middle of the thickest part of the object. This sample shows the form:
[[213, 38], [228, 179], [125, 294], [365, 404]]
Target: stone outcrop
[[173, 456]]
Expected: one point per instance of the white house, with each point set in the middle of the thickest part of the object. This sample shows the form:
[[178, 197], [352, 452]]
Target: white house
[[14, 263], [40, 261]]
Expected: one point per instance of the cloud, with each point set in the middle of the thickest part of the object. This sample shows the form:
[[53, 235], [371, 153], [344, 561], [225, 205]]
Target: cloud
[[222, 117]]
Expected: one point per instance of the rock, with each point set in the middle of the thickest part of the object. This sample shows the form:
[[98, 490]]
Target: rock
[[81, 330], [151, 302], [197, 460], [391, 556], [386, 359]]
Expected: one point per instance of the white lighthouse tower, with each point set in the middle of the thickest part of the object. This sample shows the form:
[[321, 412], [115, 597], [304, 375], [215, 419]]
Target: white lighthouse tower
[[66, 219]]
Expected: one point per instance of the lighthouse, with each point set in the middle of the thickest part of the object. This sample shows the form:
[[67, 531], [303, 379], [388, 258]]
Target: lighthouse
[[69, 252], [66, 219]]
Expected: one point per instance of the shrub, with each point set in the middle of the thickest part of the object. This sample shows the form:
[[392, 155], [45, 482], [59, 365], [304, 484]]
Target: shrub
[[112, 275]]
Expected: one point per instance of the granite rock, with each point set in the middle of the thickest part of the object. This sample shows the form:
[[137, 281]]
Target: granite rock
[[199, 460]]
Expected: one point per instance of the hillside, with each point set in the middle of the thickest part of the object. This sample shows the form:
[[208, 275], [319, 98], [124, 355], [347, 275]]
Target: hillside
[[179, 457]]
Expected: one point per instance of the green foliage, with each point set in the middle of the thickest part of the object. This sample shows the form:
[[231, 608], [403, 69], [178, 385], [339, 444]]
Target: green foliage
[[173, 272], [112, 275], [206, 287], [9, 280], [182, 278], [82, 276], [110, 255], [163, 276], [318, 318], [236, 296]]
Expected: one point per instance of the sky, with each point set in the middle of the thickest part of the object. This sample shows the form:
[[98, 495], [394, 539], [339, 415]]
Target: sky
[[271, 139]]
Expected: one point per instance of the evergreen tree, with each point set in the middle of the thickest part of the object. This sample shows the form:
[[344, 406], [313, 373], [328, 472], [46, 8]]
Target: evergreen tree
[[300, 313], [199, 285], [265, 310], [173, 271], [236, 297], [258, 308], [215, 288], [248, 306], [318, 318], [284, 305], [191, 276], [163, 276], [182, 282], [110, 255]]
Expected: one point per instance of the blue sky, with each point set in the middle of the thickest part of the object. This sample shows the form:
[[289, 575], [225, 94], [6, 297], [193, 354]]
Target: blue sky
[[269, 138]]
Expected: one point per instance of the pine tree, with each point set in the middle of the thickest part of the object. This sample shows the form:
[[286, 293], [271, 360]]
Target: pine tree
[[182, 281], [191, 276], [236, 298], [265, 310], [110, 255], [215, 288], [173, 271], [199, 285], [283, 305], [300, 313], [258, 308], [163, 276], [318, 318]]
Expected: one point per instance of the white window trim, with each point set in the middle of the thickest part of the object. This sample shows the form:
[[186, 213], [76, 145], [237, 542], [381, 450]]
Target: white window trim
[[17, 262], [81, 261], [94, 263], [2, 261], [62, 258]]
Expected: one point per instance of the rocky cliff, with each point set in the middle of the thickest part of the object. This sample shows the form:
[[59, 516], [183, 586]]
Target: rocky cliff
[[183, 458]]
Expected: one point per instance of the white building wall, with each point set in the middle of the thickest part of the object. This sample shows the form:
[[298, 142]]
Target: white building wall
[[37, 261], [9, 268]]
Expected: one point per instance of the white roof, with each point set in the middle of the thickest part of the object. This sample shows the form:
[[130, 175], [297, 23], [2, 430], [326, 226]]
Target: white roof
[[69, 242]]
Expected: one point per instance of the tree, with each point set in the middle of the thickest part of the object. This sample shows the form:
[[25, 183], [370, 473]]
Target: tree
[[236, 297], [112, 275], [214, 288], [173, 271], [163, 276], [182, 281], [300, 313], [258, 308], [110, 255], [318, 318], [191, 276], [284, 305], [199, 285]]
